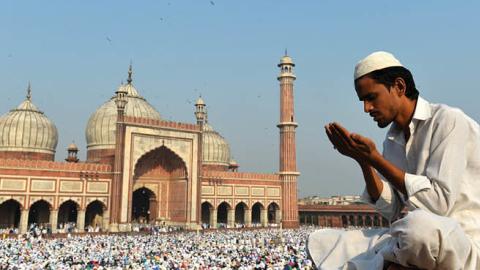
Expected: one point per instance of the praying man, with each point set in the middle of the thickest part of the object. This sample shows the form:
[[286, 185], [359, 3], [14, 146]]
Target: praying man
[[426, 182]]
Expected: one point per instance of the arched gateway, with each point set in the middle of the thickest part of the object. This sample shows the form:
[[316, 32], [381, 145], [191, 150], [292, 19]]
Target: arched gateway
[[160, 188]]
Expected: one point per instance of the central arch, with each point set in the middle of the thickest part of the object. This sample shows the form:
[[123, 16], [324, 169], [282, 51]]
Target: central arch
[[164, 170]]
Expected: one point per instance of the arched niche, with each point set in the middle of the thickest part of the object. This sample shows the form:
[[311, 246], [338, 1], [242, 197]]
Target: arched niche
[[94, 214], [10, 211]]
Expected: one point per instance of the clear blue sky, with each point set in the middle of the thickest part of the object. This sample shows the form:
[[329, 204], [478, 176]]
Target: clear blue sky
[[76, 53]]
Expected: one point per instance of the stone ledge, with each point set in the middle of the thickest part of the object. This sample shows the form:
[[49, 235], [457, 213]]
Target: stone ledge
[[52, 165]]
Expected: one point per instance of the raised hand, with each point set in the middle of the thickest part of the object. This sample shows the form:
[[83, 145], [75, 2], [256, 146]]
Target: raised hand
[[352, 145]]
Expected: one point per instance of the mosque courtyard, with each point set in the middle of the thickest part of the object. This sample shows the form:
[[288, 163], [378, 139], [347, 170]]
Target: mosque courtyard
[[209, 249]]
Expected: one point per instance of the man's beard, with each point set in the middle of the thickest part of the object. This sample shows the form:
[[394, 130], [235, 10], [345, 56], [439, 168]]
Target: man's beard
[[383, 124]]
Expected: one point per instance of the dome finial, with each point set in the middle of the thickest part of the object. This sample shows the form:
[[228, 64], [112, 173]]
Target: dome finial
[[129, 80], [286, 52], [29, 91]]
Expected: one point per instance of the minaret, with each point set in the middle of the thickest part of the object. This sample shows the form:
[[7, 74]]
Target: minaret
[[200, 111], [121, 102], [288, 160], [201, 116]]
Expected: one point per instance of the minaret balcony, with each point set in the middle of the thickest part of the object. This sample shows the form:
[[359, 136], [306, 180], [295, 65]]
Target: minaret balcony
[[286, 75], [290, 124]]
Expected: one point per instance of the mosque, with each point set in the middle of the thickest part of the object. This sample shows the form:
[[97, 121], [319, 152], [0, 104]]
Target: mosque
[[142, 169]]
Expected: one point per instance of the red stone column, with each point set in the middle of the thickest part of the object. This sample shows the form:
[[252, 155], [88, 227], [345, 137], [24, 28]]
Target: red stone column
[[116, 191], [287, 156]]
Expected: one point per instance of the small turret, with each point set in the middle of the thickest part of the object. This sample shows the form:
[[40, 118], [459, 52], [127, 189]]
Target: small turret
[[200, 111], [72, 153]]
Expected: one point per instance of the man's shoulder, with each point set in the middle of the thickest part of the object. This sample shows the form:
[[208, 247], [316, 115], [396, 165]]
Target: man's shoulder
[[445, 112], [448, 118]]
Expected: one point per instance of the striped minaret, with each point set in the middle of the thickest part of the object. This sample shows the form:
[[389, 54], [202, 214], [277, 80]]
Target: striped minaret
[[288, 160]]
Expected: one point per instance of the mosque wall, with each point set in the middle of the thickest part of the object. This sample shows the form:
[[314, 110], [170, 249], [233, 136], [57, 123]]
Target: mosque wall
[[28, 181], [40, 188], [26, 190], [234, 194], [241, 187]]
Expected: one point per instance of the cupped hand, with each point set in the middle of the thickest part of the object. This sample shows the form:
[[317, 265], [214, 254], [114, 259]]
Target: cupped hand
[[355, 146]]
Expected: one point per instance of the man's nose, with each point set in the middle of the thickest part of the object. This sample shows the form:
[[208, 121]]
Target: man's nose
[[367, 106]]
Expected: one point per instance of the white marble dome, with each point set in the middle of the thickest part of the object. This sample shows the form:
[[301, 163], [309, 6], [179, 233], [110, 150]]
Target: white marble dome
[[27, 129], [100, 131], [216, 150]]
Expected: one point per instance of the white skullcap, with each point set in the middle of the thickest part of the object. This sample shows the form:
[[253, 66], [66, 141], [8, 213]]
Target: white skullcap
[[375, 61]]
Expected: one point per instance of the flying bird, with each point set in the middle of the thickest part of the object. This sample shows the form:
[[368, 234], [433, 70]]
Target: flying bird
[[108, 39], [212, 3]]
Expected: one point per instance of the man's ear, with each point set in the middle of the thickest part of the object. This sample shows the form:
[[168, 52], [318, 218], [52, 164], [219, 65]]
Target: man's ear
[[400, 86]]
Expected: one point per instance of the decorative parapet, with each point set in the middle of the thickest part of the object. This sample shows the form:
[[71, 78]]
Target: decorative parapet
[[239, 175], [52, 165], [161, 123]]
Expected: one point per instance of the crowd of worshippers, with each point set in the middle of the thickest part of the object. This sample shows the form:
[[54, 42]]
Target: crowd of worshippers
[[221, 225], [44, 229], [219, 249]]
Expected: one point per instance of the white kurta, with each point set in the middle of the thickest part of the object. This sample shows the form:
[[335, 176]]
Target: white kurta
[[442, 229]]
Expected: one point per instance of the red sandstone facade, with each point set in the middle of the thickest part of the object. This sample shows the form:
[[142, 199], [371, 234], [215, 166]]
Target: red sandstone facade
[[153, 174]]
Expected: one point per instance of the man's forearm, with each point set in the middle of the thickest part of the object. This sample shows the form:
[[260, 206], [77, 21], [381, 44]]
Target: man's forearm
[[392, 173], [372, 181]]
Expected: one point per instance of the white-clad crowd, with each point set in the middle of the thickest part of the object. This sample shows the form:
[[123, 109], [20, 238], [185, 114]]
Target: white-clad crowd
[[215, 249]]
